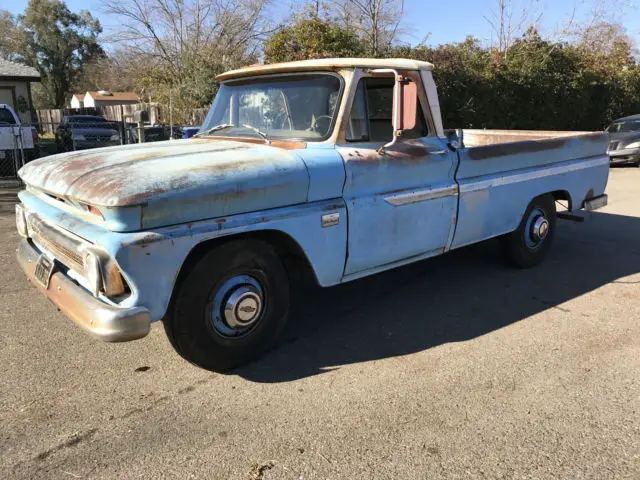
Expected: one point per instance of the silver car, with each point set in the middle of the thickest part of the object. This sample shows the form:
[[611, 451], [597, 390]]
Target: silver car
[[624, 140]]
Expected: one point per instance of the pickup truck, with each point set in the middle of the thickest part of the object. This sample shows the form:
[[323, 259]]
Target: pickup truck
[[18, 143], [337, 166], [80, 132]]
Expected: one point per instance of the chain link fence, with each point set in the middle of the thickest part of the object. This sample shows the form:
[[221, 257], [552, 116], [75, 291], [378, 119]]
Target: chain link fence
[[29, 142]]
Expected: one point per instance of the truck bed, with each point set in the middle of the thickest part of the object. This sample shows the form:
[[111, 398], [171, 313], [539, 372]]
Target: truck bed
[[498, 178]]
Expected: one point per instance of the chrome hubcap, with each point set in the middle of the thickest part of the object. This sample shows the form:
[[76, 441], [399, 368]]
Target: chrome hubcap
[[537, 229], [237, 306], [540, 228]]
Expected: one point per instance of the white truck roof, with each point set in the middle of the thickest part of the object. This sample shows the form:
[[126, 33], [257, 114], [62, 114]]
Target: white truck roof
[[327, 64]]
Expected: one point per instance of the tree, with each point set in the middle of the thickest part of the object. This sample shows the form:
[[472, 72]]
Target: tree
[[311, 37], [10, 36], [182, 45], [58, 43], [377, 22], [509, 20]]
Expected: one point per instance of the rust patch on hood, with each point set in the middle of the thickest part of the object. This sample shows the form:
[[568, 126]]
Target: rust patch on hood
[[129, 175]]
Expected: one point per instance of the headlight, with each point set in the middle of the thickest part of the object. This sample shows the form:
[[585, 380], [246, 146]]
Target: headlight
[[77, 136], [92, 272], [21, 221], [633, 145], [115, 138]]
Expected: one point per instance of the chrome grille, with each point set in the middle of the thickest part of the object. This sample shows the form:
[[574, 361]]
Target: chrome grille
[[613, 145], [65, 248]]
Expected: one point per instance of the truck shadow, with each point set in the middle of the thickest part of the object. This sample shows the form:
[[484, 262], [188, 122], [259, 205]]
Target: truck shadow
[[453, 298]]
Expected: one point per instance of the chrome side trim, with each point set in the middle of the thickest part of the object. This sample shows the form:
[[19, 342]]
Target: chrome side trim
[[532, 174], [422, 195]]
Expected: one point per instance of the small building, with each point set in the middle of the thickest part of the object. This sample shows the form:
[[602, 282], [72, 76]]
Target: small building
[[15, 88], [104, 98], [77, 101]]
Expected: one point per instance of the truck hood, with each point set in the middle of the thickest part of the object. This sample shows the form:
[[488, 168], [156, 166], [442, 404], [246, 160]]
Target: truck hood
[[174, 181]]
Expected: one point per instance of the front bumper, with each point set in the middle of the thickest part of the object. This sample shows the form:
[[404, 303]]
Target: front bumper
[[99, 319]]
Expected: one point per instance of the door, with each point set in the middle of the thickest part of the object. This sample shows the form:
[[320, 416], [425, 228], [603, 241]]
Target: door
[[401, 203]]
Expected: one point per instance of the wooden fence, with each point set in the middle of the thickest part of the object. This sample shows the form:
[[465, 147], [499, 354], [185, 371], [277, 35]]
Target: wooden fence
[[158, 114]]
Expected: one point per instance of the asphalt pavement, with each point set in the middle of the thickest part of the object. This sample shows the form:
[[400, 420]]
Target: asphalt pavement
[[455, 367]]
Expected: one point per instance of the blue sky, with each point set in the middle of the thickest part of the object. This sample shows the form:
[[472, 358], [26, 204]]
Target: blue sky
[[443, 21]]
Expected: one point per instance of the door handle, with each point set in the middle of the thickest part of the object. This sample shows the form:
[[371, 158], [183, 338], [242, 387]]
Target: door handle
[[439, 152]]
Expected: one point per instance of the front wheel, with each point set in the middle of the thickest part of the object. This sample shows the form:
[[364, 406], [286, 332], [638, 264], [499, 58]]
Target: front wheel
[[529, 244], [231, 307]]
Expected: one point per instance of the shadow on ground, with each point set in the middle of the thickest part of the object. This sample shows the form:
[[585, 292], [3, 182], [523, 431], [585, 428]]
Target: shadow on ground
[[453, 298]]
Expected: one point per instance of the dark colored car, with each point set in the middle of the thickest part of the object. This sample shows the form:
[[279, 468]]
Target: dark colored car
[[78, 132], [152, 133], [624, 140]]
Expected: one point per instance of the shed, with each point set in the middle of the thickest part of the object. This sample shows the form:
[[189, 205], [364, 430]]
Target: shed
[[15, 87]]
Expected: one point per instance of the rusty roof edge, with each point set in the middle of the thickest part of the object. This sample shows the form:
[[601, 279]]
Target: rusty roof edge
[[326, 64]]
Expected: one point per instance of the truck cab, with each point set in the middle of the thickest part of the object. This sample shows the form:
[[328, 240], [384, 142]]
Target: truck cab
[[340, 164]]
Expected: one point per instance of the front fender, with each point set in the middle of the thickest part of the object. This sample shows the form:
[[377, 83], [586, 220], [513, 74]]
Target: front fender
[[151, 261]]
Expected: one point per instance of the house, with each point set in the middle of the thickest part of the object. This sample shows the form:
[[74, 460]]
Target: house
[[103, 98], [77, 101], [15, 88]]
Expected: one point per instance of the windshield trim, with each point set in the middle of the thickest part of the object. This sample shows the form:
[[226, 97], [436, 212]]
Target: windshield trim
[[334, 118]]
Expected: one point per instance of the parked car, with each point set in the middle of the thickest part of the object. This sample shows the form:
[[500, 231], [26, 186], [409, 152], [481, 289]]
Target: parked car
[[79, 132], [340, 166], [190, 131], [152, 133], [624, 140], [18, 143]]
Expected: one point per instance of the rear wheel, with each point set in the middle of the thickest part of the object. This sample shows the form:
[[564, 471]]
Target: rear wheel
[[529, 244], [231, 307]]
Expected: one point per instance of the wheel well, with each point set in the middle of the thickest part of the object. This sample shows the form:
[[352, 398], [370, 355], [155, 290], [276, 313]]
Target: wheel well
[[562, 195], [290, 252]]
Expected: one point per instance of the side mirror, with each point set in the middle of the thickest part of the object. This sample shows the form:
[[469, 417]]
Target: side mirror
[[405, 105]]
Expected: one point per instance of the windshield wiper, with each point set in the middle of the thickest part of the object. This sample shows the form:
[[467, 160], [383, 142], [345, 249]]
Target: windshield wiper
[[222, 126], [259, 132]]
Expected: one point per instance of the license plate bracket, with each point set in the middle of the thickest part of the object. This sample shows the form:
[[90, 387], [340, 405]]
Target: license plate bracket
[[44, 270]]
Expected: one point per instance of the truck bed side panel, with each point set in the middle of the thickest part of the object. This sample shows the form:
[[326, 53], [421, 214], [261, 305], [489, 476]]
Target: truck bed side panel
[[498, 182]]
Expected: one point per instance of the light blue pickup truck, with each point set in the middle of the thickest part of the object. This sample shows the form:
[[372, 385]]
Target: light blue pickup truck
[[340, 164]]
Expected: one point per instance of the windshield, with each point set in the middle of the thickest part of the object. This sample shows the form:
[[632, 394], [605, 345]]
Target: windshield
[[6, 117], [293, 107], [625, 126]]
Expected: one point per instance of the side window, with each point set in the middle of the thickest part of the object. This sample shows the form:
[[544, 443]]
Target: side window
[[372, 113], [358, 127]]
